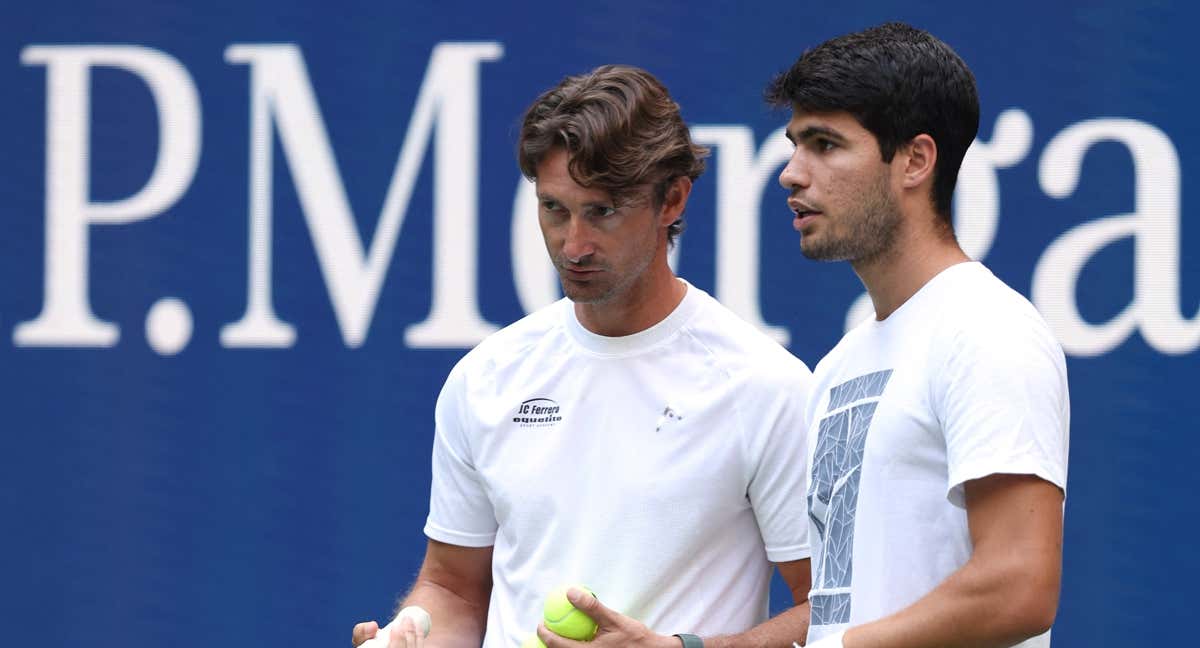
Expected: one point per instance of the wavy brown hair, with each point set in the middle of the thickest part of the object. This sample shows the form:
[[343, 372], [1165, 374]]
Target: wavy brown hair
[[622, 133]]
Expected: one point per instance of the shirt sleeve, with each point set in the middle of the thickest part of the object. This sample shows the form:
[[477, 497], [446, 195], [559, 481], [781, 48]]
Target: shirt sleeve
[[1003, 401], [460, 511], [776, 451]]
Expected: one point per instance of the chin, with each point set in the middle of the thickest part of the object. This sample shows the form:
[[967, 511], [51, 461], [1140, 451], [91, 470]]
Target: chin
[[810, 249], [817, 252], [589, 294]]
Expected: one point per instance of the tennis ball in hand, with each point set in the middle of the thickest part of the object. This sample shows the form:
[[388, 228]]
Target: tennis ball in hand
[[564, 619], [533, 641], [419, 616]]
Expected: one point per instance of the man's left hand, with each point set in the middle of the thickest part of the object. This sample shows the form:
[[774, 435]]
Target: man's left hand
[[613, 629]]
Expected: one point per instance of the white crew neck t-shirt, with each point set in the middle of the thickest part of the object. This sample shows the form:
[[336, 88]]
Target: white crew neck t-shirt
[[963, 381], [664, 469]]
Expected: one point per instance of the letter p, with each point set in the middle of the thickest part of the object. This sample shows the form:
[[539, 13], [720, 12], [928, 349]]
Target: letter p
[[66, 318]]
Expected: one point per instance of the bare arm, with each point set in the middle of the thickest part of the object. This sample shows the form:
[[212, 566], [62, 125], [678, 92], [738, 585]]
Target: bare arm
[[454, 586], [616, 630], [1006, 592], [785, 628]]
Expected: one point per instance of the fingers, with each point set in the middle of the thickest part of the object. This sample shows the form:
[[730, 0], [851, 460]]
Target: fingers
[[364, 631], [404, 634], [591, 606], [551, 640]]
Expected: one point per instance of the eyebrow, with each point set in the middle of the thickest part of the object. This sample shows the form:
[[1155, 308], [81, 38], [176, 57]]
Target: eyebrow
[[815, 131], [543, 197]]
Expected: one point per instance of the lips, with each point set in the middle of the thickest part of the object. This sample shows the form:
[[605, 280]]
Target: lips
[[579, 274], [803, 217], [802, 212], [799, 224], [797, 205]]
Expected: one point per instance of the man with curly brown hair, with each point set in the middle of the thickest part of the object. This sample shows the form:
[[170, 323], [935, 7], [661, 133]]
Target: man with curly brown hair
[[635, 436]]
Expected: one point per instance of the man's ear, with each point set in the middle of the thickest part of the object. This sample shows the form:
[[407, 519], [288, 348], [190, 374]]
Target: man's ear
[[675, 200], [920, 158]]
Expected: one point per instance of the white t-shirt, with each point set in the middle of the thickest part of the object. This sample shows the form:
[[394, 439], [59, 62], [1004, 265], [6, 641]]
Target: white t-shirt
[[963, 381], [664, 469]]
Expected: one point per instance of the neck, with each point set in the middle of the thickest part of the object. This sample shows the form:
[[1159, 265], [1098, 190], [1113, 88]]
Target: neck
[[915, 257], [645, 303]]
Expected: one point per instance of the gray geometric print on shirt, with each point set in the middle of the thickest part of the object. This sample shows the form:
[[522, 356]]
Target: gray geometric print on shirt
[[833, 493], [829, 609], [856, 389]]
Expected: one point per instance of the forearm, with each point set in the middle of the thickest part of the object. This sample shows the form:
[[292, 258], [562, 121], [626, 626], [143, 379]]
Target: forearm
[[1005, 593], [780, 631], [459, 620], [977, 606]]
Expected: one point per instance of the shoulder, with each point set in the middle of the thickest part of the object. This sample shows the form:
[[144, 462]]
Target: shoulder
[[741, 350], [511, 345], [981, 309], [990, 332]]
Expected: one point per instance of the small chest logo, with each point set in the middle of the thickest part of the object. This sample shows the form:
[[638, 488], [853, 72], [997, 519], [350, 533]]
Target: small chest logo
[[538, 412], [668, 414]]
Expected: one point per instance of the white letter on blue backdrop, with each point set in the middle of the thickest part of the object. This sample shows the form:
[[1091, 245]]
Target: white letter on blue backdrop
[[1154, 226], [281, 93], [741, 177], [66, 318], [533, 272]]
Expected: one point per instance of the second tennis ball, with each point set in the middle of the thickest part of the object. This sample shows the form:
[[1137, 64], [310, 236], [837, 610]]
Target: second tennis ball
[[564, 619], [533, 641]]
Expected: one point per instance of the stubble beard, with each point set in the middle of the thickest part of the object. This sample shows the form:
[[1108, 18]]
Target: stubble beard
[[606, 288], [872, 228], [592, 292], [610, 286]]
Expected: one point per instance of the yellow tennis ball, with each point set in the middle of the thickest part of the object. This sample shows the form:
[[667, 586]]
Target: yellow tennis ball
[[564, 619], [533, 641]]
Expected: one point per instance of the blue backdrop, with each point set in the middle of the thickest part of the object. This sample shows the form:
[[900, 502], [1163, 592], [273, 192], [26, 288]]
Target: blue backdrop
[[245, 242]]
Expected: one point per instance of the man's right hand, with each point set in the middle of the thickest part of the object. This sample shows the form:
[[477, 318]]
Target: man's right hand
[[404, 634], [363, 631], [454, 585]]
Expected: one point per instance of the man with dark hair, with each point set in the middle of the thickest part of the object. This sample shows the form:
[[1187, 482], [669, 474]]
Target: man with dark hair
[[636, 437], [938, 428]]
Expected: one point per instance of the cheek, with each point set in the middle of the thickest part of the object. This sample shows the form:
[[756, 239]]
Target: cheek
[[846, 189], [833, 191], [551, 233], [633, 237]]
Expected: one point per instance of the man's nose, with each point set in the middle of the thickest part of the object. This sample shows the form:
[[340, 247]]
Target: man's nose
[[578, 244], [795, 174]]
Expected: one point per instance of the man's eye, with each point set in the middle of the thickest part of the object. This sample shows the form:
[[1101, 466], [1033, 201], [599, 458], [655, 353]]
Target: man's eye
[[825, 145], [604, 212], [550, 205]]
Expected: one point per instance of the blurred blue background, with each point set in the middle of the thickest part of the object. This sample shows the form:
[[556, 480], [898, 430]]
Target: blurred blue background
[[168, 486]]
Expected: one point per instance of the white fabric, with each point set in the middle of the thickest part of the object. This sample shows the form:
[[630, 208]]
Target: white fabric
[[383, 637], [664, 469], [828, 641], [963, 381]]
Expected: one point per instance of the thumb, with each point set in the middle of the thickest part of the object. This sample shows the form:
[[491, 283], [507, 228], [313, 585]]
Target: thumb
[[364, 631], [587, 603]]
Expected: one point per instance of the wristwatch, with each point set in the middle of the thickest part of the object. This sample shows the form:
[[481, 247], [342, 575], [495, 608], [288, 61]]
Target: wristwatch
[[690, 641]]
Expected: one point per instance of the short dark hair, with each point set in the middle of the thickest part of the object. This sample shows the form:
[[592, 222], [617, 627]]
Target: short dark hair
[[898, 82], [621, 130]]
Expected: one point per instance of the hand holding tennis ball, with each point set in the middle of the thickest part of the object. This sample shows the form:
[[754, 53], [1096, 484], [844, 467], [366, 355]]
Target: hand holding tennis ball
[[394, 633], [533, 641], [564, 619], [567, 624], [419, 616]]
